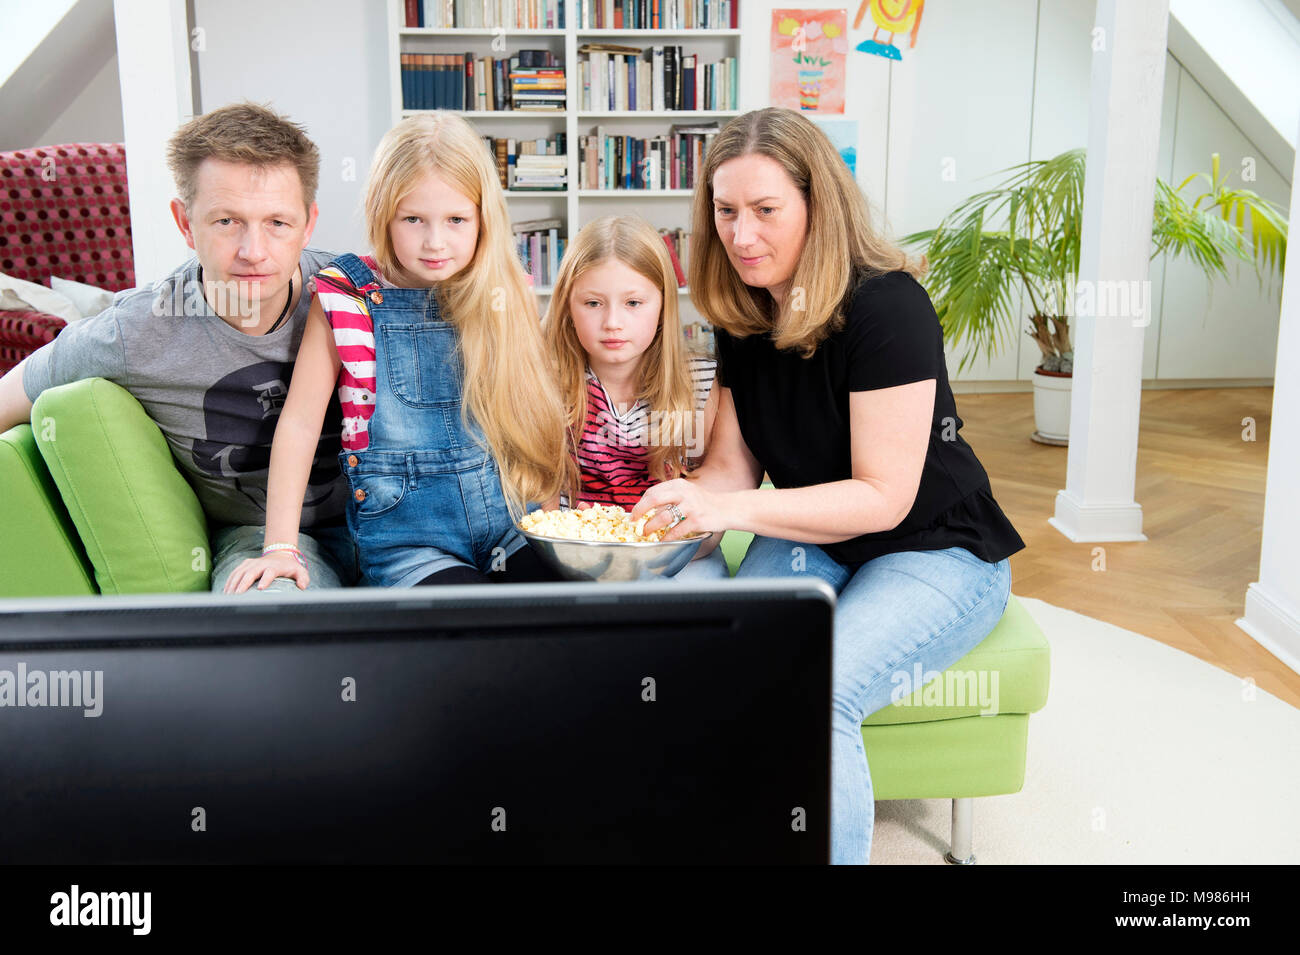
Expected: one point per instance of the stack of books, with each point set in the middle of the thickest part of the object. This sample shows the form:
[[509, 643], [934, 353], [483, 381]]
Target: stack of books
[[658, 14], [537, 82], [658, 162], [540, 249], [660, 78], [540, 156], [518, 14], [540, 173]]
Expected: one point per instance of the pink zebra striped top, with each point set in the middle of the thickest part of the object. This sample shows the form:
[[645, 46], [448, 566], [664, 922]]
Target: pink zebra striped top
[[348, 310]]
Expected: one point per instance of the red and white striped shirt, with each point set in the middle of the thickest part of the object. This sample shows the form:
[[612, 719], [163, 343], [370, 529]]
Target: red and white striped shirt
[[348, 310], [613, 449]]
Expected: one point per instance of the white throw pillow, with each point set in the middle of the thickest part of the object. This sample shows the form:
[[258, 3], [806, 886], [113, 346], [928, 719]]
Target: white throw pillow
[[15, 294], [88, 299]]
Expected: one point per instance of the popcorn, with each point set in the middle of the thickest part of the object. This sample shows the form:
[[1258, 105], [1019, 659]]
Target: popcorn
[[608, 524]]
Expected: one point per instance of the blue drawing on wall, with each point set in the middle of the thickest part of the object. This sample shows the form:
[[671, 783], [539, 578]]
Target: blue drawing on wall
[[843, 134]]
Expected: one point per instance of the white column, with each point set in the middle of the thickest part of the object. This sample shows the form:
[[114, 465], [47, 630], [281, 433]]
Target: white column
[[1113, 302], [1273, 602], [154, 66]]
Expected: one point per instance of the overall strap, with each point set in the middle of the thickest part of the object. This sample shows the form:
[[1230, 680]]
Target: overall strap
[[358, 273]]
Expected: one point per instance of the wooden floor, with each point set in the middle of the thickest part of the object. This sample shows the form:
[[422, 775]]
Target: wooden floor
[[1201, 487]]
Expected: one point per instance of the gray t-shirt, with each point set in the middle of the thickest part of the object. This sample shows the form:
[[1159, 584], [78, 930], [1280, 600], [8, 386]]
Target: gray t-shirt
[[215, 392]]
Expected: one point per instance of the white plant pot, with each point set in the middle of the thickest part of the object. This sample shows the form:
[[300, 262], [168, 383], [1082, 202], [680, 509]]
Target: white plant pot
[[1051, 408]]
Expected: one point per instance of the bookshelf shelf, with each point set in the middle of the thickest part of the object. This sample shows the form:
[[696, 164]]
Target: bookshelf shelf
[[657, 34], [636, 130], [547, 291], [493, 113], [476, 31], [682, 114], [635, 193]]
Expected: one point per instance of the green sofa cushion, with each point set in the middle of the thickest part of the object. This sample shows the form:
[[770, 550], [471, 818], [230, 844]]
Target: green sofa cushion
[[138, 518], [43, 556], [733, 546]]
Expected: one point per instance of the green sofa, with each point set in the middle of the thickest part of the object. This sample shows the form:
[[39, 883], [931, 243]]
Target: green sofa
[[94, 504]]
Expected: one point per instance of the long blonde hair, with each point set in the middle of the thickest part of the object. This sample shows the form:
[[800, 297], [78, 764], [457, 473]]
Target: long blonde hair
[[664, 379], [841, 247], [507, 390]]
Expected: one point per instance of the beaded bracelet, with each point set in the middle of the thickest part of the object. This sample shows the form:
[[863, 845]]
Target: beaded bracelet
[[289, 548]]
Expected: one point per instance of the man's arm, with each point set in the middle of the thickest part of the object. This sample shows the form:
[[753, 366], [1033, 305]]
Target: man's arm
[[15, 409], [89, 348]]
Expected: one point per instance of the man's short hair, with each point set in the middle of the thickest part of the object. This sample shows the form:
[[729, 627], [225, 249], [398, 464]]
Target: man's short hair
[[242, 133]]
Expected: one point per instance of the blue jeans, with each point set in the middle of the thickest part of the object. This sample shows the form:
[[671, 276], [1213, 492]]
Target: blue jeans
[[926, 608], [713, 567], [331, 557]]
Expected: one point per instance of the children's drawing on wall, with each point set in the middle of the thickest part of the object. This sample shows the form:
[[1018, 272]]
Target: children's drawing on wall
[[808, 51], [843, 134], [893, 17]]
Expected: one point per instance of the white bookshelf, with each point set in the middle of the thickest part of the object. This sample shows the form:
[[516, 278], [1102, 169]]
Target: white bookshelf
[[664, 208]]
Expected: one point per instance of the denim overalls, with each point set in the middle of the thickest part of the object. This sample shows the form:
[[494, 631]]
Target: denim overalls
[[425, 495]]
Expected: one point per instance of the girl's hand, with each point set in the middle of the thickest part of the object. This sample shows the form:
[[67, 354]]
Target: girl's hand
[[703, 510], [263, 570]]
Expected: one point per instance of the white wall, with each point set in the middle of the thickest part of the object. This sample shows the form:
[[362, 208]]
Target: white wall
[[323, 64], [1225, 328], [95, 116], [988, 85], [57, 79], [1003, 81], [26, 25], [1273, 602]]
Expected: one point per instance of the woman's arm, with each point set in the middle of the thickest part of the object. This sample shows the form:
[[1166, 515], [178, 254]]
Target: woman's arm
[[297, 435], [890, 434]]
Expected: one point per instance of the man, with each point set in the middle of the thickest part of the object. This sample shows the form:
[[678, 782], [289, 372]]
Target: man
[[209, 350]]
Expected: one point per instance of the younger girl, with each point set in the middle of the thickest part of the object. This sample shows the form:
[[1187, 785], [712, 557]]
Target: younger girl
[[451, 425], [639, 408]]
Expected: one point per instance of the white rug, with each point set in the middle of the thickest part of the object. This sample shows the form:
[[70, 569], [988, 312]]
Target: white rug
[[1143, 754]]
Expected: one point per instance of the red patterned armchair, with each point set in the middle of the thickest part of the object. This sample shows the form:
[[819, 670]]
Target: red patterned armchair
[[63, 211]]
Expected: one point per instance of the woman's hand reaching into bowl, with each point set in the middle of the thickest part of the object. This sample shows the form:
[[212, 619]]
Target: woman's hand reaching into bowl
[[683, 507]]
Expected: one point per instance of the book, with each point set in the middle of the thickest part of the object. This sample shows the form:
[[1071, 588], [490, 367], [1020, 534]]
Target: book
[[535, 225], [677, 265], [609, 48]]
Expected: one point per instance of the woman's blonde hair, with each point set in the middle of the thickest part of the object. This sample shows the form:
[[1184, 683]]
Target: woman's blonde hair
[[840, 249], [664, 381], [508, 390]]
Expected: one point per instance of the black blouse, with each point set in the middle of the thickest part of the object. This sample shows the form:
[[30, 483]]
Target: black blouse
[[794, 416]]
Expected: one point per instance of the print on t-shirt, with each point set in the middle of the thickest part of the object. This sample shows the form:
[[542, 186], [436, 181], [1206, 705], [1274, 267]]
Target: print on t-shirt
[[240, 413]]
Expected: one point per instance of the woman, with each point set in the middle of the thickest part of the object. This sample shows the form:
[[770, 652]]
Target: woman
[[832, 380]]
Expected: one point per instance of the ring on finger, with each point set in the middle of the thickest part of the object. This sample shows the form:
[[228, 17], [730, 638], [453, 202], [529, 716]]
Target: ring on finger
[[677, 514]]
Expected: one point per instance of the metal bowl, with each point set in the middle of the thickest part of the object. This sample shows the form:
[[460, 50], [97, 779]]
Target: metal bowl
[[597, 560]]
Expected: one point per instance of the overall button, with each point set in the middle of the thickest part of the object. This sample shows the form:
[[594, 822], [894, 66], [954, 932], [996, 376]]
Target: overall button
[[352, 460], [377, 298], [360, 495]]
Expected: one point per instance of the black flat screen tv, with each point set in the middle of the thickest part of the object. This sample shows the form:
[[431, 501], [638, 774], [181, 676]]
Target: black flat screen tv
[[507, 724]]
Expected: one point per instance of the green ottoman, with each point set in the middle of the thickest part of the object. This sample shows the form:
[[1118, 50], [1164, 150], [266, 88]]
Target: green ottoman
[[964, 733]]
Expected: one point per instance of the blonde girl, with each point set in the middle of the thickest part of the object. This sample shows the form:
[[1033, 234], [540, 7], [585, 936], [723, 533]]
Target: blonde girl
[[638, 406], [452, 424]]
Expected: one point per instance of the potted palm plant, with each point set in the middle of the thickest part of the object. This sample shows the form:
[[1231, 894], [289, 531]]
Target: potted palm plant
[[1023, 236]]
